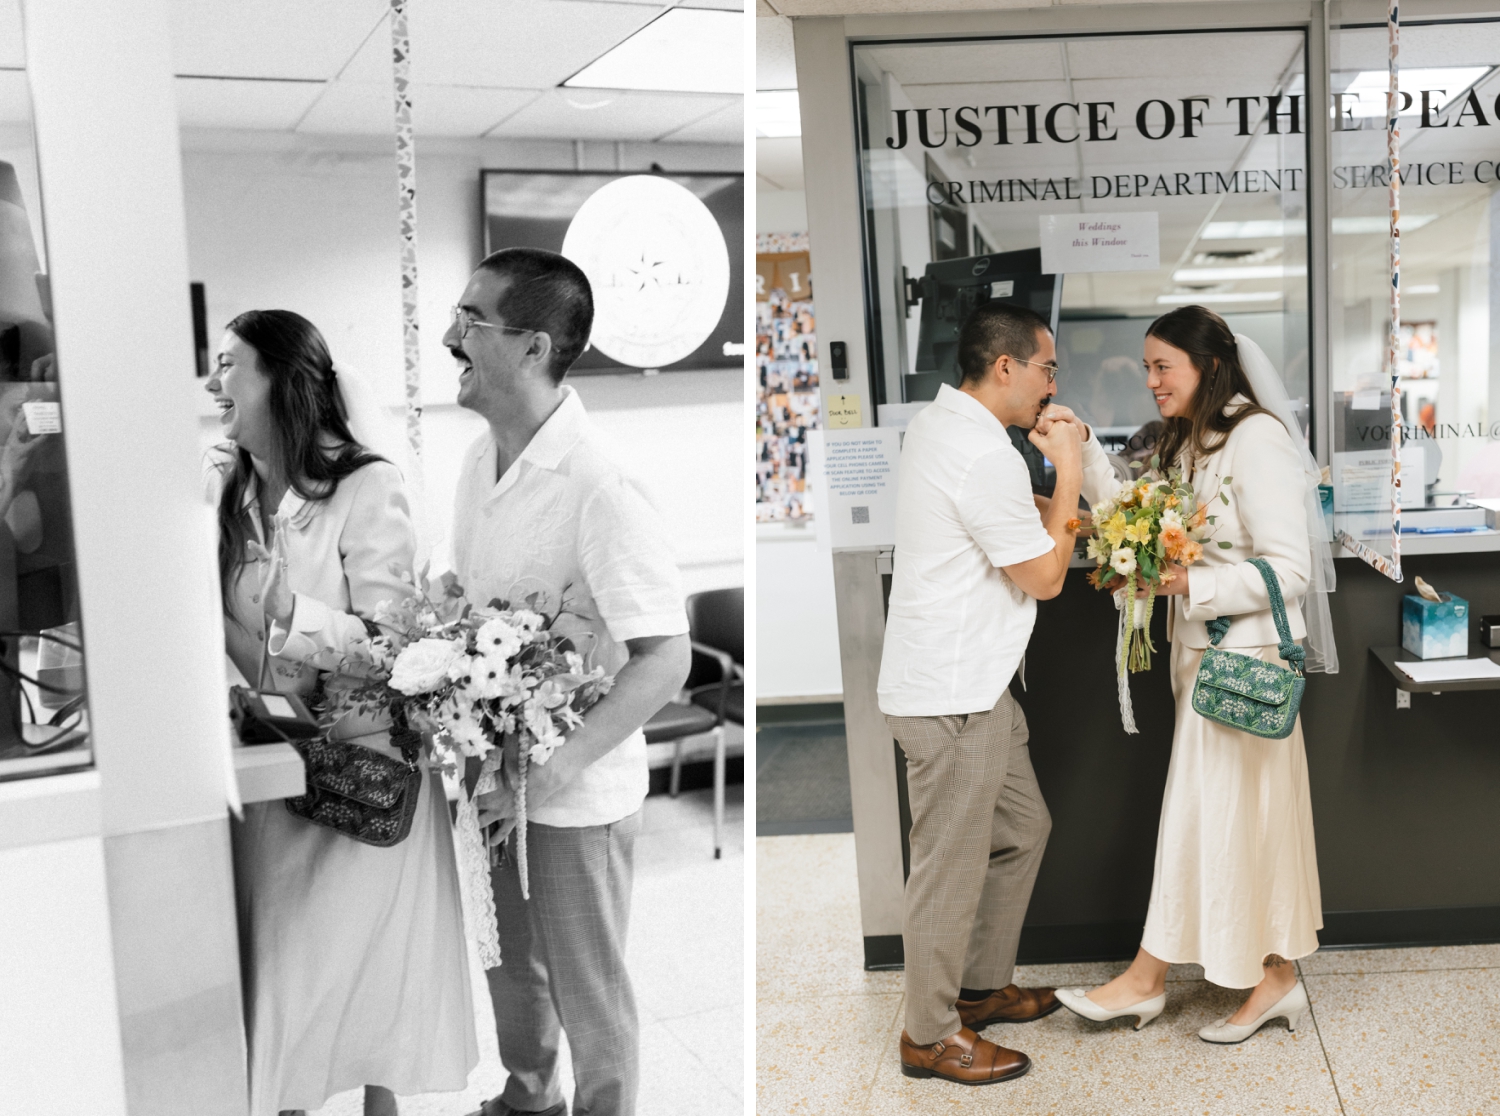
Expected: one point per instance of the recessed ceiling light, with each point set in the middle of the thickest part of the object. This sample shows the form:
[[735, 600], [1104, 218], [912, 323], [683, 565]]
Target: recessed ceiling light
[[1187, 298], [777, 113], [1223, 274], [686, 50], [1422, 288]]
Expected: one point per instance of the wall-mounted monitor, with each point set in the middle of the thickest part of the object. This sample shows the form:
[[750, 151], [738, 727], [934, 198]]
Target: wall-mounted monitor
[[664, 253]]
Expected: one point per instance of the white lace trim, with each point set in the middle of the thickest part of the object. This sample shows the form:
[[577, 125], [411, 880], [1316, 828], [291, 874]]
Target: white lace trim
[[474, 874]]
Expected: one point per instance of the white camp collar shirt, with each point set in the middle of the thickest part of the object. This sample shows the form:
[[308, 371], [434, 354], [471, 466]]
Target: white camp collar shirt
[[566, 520], [957, 626]]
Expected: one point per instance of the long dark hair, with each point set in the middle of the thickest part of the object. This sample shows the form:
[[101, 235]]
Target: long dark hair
[[1210, 345], [311, 446]]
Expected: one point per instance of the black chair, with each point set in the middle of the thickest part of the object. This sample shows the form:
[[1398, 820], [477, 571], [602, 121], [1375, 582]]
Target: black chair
[[715, 690]]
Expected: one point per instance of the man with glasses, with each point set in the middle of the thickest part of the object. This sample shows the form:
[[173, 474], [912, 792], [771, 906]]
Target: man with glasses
[[541, 507], [974, 552]]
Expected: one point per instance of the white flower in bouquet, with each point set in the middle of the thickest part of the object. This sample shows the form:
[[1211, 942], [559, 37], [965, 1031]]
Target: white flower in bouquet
[[1122, 561], [541, 726], [1098, 548], [1171, 518], [422, 667], [499, 638], [527, 620], [464, 728]]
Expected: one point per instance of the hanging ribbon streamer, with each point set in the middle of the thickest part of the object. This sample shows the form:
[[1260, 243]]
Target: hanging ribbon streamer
[[1122, 675], [406, 181], [1391, 566]]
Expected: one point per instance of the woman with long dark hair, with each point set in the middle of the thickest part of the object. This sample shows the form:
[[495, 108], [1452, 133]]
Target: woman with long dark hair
[[355, 965], [1236, 882]]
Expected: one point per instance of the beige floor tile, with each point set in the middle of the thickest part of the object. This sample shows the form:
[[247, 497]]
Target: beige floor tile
[[1418, 959], [1412, 1044], [1080, 1068], [820, 1056], [1088, 974], [809, 942]]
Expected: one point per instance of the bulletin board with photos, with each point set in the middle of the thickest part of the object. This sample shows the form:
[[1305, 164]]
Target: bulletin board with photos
[[786, 359]]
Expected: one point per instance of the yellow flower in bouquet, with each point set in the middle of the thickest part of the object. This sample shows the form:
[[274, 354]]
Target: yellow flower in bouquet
[[1153, 521]]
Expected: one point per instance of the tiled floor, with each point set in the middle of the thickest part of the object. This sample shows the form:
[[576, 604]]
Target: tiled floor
[[686, 958], [1412, 1032]]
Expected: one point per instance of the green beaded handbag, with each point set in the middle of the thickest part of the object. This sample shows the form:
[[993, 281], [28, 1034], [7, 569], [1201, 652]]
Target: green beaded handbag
[[1245, 693]]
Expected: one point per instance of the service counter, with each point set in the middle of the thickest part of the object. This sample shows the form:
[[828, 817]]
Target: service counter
[[1404, 800]]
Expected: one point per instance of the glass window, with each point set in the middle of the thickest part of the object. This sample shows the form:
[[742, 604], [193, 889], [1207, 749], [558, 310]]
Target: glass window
[[43, 711], [1449, 123], [1070, 174]]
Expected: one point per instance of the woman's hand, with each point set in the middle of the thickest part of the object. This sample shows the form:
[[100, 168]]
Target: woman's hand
[[276, 598], [1175, 582]]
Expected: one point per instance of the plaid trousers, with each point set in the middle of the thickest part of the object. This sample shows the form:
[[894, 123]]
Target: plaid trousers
[[563, 969], [978, 830]]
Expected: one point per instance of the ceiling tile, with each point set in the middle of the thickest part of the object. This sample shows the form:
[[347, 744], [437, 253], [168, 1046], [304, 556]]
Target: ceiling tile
[[775, 63], [437, 110], [273, 105], [720, 5], [780, 160], [727, 125], [609, 114], [518, 44], [269, 38]]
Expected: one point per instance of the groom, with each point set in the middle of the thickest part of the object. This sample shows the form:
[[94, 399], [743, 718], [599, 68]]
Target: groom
[[540, 505], [974, 553]]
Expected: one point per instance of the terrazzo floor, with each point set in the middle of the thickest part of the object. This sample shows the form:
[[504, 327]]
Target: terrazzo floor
[[1402, 1032], [686, 959]]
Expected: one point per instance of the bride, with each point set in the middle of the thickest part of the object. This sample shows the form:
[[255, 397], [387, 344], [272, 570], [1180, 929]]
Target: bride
[[1236, 882]]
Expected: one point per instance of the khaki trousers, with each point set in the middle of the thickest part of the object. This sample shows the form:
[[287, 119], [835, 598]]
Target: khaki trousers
[[978, 830]]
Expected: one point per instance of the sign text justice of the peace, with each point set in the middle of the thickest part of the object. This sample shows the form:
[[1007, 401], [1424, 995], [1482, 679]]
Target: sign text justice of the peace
[[1156, 119]]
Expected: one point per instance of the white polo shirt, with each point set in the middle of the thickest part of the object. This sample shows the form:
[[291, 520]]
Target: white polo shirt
[[565, 519], [957, 626]]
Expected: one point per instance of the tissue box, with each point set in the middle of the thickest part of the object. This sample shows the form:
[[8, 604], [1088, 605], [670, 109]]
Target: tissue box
[[1435, 629]]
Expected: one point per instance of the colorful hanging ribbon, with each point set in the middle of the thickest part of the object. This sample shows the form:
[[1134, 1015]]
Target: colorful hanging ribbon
[[1391, 566], [406, 181]]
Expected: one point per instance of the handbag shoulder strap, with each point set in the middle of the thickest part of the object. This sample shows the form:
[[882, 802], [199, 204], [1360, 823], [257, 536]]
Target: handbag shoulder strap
[[1288, 650]]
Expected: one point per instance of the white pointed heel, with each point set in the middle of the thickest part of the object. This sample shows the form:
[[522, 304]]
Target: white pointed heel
[[1293, 1007], [1077, 1001]]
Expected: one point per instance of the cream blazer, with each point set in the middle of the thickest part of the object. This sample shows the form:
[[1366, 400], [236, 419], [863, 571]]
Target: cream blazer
[[1264, 519], [345, 555]]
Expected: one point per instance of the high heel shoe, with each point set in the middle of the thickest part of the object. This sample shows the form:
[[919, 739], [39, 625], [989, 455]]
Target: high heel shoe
[[1077, 1001], [1292, 1007]]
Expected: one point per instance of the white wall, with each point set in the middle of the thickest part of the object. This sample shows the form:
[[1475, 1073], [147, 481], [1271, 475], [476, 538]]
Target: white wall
[[309, 224], [797, 633]]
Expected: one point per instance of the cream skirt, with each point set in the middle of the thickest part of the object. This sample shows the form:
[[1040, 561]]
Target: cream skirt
[[1236, 870]]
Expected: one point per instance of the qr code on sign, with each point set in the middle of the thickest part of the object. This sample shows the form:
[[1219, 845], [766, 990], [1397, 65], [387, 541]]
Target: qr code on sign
[[861, 513]]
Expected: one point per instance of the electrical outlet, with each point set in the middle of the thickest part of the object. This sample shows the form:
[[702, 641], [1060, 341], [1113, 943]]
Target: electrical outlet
[[1403, 699]]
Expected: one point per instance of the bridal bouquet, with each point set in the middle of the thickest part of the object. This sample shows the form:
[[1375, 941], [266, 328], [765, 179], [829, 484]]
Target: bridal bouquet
[[484, 683], [1154, 520]]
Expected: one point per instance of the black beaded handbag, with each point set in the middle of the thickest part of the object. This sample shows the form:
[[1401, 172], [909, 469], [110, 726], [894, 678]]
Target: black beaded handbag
[[358, 791]]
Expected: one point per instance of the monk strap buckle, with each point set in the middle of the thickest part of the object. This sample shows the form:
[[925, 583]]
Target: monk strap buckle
[[966, 1060]]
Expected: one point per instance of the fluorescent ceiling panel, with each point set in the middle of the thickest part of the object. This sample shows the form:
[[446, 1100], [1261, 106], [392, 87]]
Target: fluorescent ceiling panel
[[1422, 288], [685, 51], [1192, 298], [1227, 274], [1371, 87], [1342, 226], [778, 113]]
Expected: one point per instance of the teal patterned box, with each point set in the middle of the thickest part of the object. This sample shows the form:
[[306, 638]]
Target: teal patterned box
[[1435, 629]]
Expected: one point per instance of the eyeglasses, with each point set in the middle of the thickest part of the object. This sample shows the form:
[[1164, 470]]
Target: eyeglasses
[[1050, 369], [465, 320]]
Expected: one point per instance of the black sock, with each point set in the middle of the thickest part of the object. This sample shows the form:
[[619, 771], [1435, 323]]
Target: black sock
[[970, 995]]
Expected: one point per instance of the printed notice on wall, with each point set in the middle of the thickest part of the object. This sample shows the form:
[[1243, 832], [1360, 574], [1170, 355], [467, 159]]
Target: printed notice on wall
[[859, 470], [1080, 242], [1362, 481]]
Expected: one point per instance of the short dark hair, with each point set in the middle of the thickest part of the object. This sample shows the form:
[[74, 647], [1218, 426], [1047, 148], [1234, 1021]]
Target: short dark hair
[[547, 292], [997, 329]]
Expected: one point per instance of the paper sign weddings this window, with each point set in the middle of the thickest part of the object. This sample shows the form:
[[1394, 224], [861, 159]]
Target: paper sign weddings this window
[[859, 471], [1074, 243]]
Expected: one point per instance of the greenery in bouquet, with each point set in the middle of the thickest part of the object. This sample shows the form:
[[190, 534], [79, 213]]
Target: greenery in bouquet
[[480, 681], [1153, 521]]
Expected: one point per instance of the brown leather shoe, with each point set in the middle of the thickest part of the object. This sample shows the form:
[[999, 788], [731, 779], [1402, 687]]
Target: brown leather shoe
[[963, 1058], [1007, 1005]]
